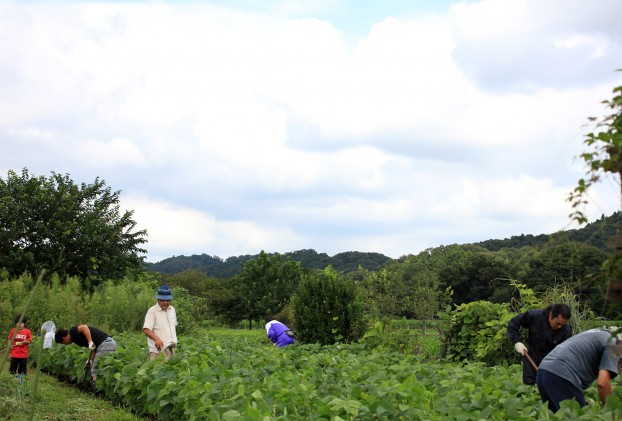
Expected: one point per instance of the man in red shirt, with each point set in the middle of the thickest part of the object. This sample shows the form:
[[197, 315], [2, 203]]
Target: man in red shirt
[[18, 343]]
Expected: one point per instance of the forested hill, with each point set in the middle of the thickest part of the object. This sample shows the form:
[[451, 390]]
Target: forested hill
[[216, 267], [596, 233]]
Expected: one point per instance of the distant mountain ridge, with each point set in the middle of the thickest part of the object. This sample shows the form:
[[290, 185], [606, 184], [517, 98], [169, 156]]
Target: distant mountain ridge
[[216, 267], [596, 233]]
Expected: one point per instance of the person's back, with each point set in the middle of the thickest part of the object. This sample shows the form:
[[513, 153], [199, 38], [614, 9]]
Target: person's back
[[579, 358], [97, 336], [278, 333], [574, 365]]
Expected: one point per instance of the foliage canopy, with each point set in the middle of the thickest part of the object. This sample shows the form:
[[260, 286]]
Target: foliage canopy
[[54, 224], [604, 154], [328, 308]]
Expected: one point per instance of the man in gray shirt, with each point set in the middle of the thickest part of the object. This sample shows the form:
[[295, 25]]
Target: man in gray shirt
[[574, 364]]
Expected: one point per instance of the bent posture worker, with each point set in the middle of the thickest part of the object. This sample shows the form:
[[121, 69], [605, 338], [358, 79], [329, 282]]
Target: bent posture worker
[[547, 329]]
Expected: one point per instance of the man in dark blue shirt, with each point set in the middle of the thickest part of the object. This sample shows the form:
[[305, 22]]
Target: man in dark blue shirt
[[547, 329]]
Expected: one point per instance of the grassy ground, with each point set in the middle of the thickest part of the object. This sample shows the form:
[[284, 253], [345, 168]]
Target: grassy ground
[[54, 401]]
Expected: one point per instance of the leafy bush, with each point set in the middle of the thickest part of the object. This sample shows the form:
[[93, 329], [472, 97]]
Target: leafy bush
[[113, 307], [327, 309], [478, 333], [64, 303], [400, 337], [478, 330], [122, 307]]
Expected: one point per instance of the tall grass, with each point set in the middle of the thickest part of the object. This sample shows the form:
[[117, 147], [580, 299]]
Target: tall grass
[[582, 315]]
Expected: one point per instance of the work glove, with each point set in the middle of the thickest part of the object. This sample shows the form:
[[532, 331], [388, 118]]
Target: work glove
[[520, 348], [92, 345], [87, 364]]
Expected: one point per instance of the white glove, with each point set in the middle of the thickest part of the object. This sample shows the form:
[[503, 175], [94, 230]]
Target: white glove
[[520, 348], [92, 345], [87, 363]]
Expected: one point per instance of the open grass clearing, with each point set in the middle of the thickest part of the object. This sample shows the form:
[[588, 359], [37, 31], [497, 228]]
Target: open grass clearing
[[55, 401]]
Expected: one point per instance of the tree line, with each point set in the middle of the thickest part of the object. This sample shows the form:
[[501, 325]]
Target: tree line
[[54, 225], [308, 258], [414, 286], [86, 257], [597, 234]]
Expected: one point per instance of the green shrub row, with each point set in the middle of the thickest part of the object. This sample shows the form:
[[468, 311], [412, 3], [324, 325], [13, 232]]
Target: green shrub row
[[113, 306], [229, 377]]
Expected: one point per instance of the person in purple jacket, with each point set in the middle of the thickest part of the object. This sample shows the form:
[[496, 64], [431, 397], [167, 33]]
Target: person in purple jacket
[[279, 334]]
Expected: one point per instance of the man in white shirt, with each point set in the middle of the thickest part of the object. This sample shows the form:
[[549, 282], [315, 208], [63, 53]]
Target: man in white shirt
[[160, 325]]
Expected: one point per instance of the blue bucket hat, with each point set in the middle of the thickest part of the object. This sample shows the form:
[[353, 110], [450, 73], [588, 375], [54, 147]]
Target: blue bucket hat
[[164, 293]]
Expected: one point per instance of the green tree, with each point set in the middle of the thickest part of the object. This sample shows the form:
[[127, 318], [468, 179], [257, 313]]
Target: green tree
[[604, 154], [603, 158], [573, 264], [196, 282], [54, 224], [472, 272], [382, 292], [265, 285], [328, 309], [420, 275]]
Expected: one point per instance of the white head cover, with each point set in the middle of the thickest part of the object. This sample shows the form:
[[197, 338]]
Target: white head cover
[[270, 323]]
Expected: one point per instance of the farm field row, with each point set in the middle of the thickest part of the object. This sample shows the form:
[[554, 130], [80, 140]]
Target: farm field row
[[220, 376]]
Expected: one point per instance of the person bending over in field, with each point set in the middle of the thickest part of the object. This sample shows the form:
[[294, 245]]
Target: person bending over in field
[[279, 334], [160, 326], [18, 344], [574, 365], [547, 329], [98, 341]]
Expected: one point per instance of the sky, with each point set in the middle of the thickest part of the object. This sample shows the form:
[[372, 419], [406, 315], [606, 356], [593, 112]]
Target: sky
[[232, 127]]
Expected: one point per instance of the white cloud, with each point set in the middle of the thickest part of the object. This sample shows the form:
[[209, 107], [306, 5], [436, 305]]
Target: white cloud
[[523, 45], [110, 154], [505, 197], [262, 131], [597, 44], [32, 133], [190, 231]]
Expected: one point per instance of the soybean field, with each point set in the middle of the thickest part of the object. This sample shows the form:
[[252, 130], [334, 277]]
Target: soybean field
[[239, 375]]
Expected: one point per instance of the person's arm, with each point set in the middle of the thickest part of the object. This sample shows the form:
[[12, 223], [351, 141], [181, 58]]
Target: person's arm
[[12, 341], [148, 327], [272, 334], [604, 385], [84, 329], [515, 324], [158, 342]]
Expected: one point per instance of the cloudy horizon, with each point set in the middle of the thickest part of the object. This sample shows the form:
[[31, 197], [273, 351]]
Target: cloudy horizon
[[232, 127]]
